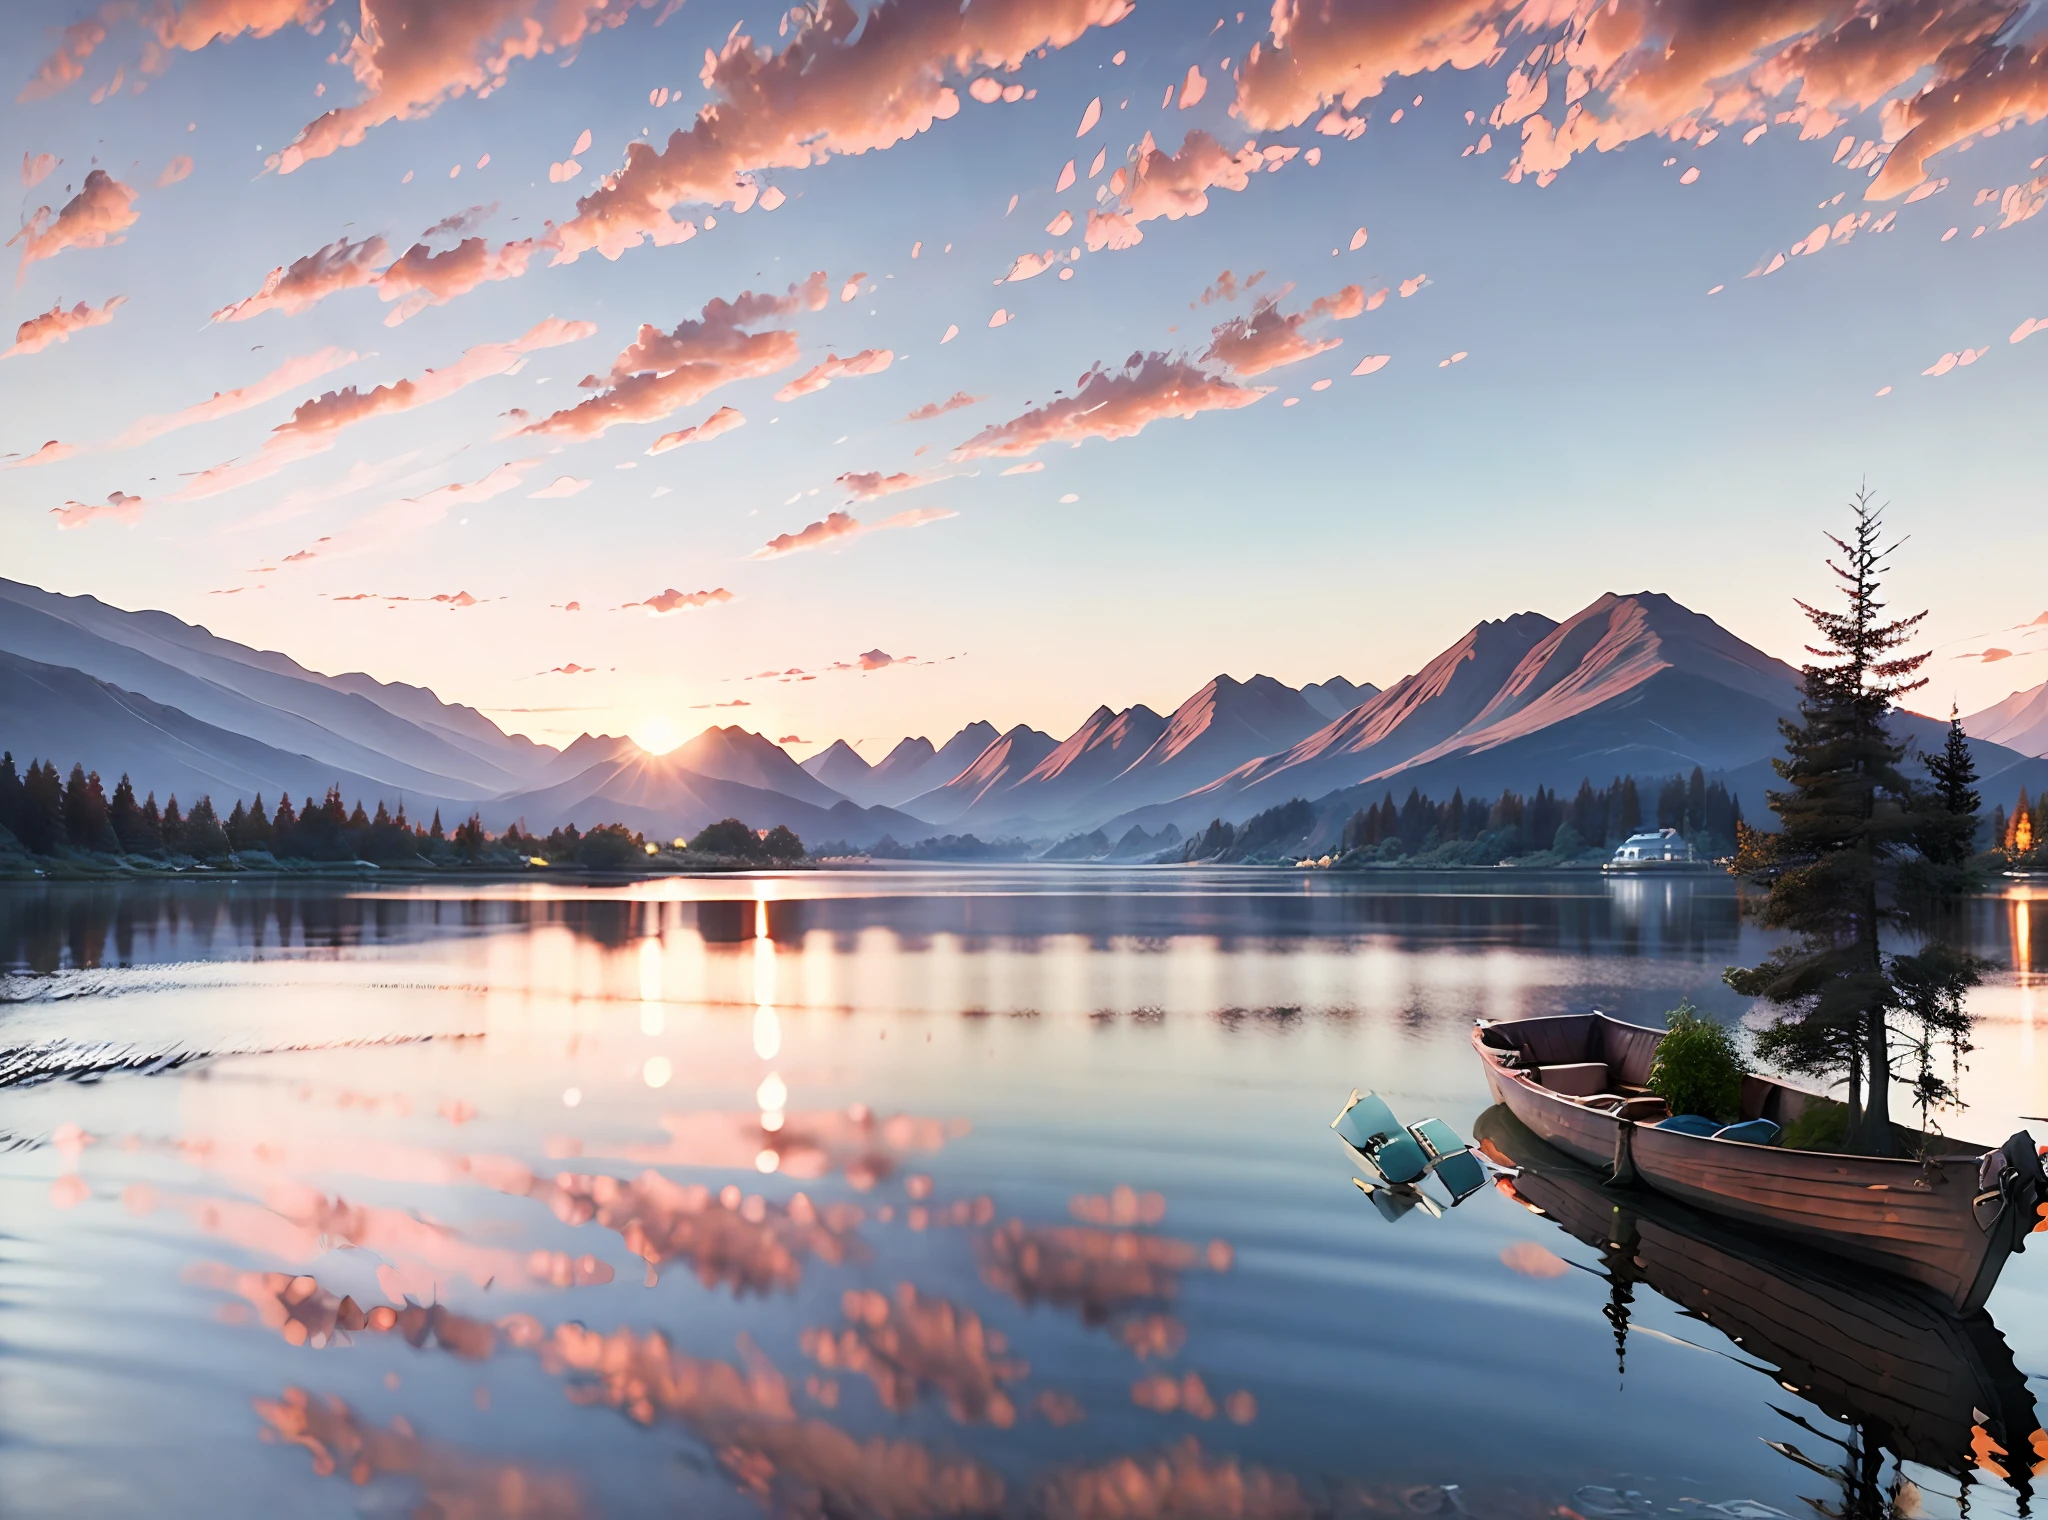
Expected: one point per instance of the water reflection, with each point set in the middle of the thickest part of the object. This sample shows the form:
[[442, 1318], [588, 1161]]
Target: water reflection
[[1907, 1379], [887, 1197]]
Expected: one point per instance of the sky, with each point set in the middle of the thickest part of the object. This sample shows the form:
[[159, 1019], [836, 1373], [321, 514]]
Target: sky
[[859, 371]]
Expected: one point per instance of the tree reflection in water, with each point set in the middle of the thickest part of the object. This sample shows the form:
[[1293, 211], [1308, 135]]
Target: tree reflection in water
[[1906, 1379]]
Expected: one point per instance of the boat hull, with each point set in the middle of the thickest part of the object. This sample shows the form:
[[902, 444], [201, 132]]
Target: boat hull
[[1870, 1350], [1912, 1218]]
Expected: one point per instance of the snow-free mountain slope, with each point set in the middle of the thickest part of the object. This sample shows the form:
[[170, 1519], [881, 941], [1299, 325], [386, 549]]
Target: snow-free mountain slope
[[57, 713], [1220, 727], [914, 767], [1414, 713], [2019, 722], [1007, 760], [405, 736], [1101, 749], [840, 766], [738, 754], [1335, 697]]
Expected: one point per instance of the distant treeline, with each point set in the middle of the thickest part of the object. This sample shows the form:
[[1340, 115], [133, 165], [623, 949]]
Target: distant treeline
[[1484, 831], [47, 816]]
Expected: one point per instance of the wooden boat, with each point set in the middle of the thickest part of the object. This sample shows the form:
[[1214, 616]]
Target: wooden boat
[[1948, 1220], [1878, 1353]]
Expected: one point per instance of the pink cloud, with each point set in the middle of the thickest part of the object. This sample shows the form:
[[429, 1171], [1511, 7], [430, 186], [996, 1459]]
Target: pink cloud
[[561, 486], [199, 23], [174, 171], [931, 409], [661, 372], [1170, 185], [1634, 71], [1028, 266], [838, 87], [421, 53], [869, 361], [35, 168], [66, 66], [724, 420], [672, 600], [427, 278], [1227, 287], [571, 669], [1193, 88], [1114, 404], [1031, 468], [288, 376], [57, 325], [462, 223], [49, 453], [120, 506], [1269, 338], [842, 526], [873, 484], [90, 219], [316, 422], [297, 287]]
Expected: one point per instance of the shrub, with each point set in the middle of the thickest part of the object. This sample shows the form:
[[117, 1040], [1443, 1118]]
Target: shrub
[[608, 848], [730, 838], [1699, 1068]]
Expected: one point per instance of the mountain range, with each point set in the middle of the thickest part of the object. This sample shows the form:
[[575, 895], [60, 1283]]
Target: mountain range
[[1629, 685]]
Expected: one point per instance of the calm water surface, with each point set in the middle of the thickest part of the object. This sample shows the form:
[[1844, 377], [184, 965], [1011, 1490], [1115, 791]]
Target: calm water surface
[[903, 1194]]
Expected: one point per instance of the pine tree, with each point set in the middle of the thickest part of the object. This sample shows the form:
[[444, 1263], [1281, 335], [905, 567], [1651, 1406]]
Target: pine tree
[[173, 826], [1696, 802], [1847, 817], [85, 813], [152, 822], [435, 833], [136, 834], [1949, 837], [41, 830], [10, 795], [256, 832], [1631, 809], [203, 835]]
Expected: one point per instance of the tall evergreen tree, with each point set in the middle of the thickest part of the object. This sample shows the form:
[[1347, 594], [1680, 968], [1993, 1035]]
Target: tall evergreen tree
[[204, 837], [1949, 832], [1847, 818], [85, 812], [10, 794], [173, 825], [41, 829], [136, 834], [1631, 821]]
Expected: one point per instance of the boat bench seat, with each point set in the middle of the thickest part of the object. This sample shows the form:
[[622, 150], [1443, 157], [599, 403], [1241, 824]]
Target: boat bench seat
[[1575, 1079]]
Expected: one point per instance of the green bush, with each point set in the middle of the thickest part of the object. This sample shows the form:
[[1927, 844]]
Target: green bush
[[608, 848], [1699, 1068]]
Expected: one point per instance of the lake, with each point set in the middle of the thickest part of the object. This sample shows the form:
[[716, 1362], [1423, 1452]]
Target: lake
[[902, 1194]]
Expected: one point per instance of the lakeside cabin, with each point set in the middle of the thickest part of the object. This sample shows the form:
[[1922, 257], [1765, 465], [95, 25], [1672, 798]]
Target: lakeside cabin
[[1660, 847]]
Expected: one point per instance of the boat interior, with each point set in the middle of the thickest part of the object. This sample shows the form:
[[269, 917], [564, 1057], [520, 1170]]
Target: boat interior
[[1602, 1064]]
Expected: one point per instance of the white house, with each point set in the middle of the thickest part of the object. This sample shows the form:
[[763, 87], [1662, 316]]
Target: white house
[[1663, 847]]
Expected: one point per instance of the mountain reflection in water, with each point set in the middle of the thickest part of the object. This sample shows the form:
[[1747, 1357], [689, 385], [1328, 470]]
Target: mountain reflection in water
[[888, 1196]]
